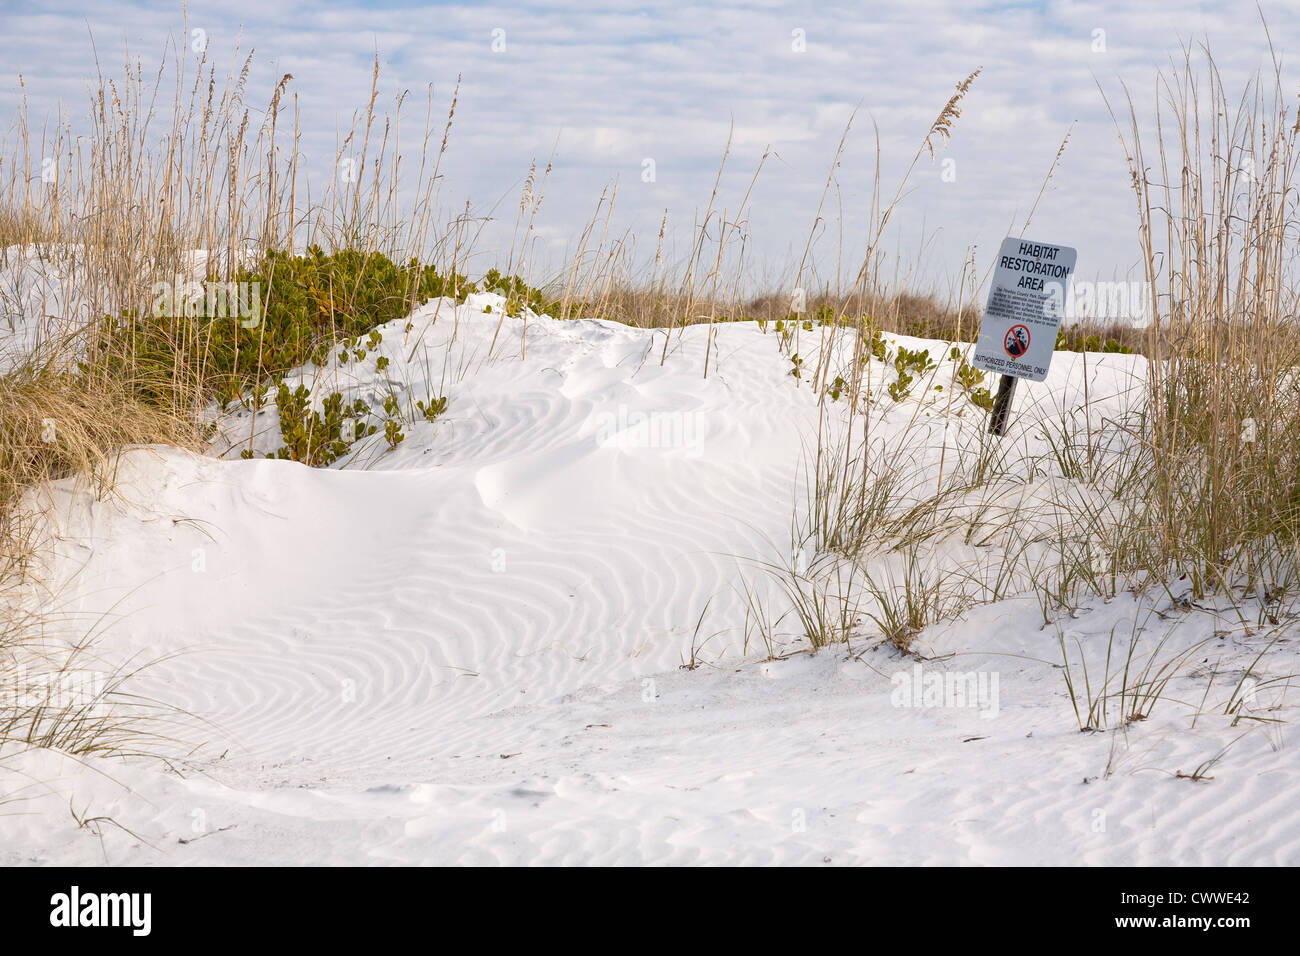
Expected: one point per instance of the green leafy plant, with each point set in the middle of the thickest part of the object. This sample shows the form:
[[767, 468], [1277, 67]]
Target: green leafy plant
[[971, 381], [317, 438], [875, 343], [432, 409], [519, 294], [909, 363]]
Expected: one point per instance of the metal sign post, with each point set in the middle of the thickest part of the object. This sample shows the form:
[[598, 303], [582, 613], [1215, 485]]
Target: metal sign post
[[1001, 412]]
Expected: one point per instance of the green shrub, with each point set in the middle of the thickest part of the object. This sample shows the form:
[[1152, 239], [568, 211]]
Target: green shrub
[[909, 363], [971, 381], [519, 294], [433, 409], [309, 307], [308, 303], [314, 438]]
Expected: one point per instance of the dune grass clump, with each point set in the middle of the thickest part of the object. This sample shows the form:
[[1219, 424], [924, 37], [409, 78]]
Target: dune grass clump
[[74, 702], [55, 425], [1218, 218], [1192, 490]]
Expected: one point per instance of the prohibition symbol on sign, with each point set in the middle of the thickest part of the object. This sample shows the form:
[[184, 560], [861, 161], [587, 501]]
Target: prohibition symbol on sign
[[1016, 343]]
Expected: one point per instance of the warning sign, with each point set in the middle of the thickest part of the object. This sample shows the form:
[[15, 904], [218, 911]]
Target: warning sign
[[1017, 341], [1025, 307]]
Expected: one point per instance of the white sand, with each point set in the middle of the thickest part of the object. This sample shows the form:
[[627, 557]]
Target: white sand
[[469, 649]]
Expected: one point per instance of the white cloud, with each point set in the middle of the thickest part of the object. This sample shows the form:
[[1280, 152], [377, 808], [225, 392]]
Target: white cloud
[[656, 80]]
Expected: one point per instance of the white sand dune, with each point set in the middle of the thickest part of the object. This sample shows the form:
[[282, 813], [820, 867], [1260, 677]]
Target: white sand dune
[[468, 649]]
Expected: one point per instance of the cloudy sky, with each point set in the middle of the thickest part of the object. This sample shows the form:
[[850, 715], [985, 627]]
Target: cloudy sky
[[623, 83]]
